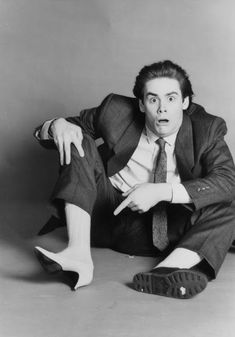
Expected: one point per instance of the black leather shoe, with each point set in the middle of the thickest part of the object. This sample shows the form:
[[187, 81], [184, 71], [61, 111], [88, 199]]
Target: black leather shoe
[[171, 282]]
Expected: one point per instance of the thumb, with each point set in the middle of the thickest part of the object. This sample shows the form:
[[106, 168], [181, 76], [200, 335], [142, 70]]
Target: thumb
[[125, 194]]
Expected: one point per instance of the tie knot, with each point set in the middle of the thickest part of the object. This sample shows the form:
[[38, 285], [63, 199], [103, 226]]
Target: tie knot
[[161, 142]]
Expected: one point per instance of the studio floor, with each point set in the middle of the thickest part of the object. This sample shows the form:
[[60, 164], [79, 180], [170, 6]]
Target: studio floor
[[36, 304]]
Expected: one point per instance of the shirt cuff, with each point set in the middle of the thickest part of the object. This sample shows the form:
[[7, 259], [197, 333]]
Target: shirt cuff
[[180, 195], [43, 133]]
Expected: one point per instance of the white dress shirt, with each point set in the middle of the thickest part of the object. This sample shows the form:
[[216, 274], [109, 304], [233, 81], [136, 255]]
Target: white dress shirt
[[140, 167]]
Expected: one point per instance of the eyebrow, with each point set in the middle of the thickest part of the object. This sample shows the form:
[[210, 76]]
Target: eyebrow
[[168, 94]]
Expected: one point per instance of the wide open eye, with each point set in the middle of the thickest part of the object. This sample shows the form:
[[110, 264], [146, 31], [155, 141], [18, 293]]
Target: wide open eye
[[171, 98], [153, 100]]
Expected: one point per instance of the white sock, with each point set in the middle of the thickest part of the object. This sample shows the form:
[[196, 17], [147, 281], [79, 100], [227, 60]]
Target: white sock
[[181, 258]]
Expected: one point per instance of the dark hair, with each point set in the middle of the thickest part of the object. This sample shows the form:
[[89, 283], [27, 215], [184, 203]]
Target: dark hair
[[163, 69]]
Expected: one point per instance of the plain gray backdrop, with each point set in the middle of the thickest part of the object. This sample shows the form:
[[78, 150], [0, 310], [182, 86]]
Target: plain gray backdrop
[[56, 58], [59, 56]]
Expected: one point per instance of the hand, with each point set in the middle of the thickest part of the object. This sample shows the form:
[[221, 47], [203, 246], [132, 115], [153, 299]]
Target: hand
[[142, 197], [65, 134]]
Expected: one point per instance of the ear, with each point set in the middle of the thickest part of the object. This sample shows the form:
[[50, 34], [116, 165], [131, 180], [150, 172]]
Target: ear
[[141, 105], [186, 103]]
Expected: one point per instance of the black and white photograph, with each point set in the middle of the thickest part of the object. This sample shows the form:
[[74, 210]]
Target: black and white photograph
[[117, 197]]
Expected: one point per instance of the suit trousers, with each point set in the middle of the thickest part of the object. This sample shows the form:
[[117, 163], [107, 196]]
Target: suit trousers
[[208, 231]]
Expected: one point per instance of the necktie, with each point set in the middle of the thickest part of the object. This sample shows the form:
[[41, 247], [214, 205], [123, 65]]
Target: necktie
[[159, 224]]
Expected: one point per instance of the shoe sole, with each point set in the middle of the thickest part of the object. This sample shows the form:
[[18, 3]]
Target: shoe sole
[[53, 267], [182, 284]]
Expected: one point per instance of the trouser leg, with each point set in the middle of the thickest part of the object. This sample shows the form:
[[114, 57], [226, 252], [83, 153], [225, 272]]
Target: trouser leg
[[77, 182], [210, 234], [84, 183]]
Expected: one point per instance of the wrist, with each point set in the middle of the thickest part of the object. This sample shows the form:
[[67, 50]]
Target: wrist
[[168, 192], [50, 133]]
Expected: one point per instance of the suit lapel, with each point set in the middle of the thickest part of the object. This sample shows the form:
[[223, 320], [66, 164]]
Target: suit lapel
[[126, 145], [184, 149]]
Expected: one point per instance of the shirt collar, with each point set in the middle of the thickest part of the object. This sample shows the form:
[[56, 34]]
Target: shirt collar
[[151, 137]]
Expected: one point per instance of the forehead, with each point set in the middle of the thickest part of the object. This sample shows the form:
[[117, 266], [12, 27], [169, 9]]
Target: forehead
[[162, 86]]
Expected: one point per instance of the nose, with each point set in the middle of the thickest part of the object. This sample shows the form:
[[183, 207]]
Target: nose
[[161, 107]]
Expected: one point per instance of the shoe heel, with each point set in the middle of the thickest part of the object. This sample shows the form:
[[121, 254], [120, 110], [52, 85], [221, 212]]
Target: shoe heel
[[48, 265]]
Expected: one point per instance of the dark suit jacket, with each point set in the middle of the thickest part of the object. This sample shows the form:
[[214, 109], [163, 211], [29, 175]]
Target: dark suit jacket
[[204, 161]]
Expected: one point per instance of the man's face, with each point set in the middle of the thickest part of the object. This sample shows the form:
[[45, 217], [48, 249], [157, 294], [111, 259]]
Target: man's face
[[163, 106]]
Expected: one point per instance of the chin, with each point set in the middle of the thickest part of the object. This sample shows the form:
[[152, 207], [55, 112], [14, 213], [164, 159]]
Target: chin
[[161, 133]]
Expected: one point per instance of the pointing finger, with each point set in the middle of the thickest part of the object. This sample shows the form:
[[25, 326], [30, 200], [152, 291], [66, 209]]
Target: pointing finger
[[122, 205]]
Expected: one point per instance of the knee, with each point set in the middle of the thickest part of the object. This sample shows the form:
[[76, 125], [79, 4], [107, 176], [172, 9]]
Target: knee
[[89, 148]]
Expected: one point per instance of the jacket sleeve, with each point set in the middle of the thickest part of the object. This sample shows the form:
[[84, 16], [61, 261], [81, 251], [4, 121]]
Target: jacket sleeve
[[217, 180], [90, 120]]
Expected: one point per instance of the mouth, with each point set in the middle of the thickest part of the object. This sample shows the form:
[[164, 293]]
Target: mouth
[[162, 122]]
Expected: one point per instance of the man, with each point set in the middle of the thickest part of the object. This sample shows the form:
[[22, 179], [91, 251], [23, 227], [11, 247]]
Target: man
[[164, 187]]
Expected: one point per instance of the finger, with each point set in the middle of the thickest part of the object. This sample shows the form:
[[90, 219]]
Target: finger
[[79, 132], [125, 194], [79, 137], [131, 204], [61, 150], [78, 144], [121, 207], [67, 151], [134, 208]]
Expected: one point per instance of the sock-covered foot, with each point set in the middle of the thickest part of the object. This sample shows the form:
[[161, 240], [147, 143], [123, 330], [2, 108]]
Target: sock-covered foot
[[69, 260], [181, 258]]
